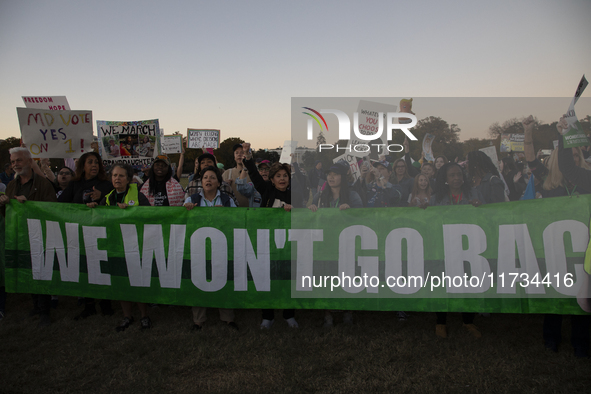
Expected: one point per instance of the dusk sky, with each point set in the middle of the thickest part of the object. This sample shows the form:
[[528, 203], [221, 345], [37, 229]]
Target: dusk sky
[[235, 65]]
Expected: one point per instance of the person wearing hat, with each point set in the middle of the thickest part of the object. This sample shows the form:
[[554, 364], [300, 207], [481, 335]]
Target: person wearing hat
[[232, 174], [247, 188], [380, 192], [161, 188], [202, 162]]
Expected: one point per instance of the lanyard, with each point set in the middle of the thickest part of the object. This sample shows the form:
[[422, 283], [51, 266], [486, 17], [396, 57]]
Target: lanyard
[[451, 198], [212, 204], [570, 194], [336, 205]]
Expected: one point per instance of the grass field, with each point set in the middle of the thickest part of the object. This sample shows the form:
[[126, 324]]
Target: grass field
[[377, 353]]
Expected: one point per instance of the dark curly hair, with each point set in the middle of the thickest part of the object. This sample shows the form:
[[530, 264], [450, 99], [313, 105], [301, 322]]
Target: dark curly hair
[[479, 164], [102, 175], [441, 186]]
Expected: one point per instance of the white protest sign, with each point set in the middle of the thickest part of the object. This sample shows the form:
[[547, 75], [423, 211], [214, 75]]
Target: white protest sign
[[352, 161], [55, 134], [203, 138], [491, 152], [54, 103], [289, 148], [134, 143], [172, 144], [369, 122]]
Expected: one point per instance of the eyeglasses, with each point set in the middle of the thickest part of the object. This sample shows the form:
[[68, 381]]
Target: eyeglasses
[[263, 170]]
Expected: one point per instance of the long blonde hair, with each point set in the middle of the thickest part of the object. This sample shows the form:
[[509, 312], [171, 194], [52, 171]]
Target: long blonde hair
[[555, 178]]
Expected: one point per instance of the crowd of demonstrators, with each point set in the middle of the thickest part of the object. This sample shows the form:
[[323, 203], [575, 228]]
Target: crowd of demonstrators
[[210, 196], [278, 185], [125, 194]]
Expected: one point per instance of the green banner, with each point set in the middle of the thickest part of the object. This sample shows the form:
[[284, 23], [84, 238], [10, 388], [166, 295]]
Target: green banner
[[515, 257]]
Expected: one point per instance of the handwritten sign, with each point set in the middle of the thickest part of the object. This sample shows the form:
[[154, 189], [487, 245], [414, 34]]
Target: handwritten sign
[[172, 144], [369, 122], [55, 134], [54, 103], [203, 138], [427, 150], [134, 143], [352, 162]]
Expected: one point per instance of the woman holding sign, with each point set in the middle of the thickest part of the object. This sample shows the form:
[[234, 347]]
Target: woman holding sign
[[275, 193], [210, 196], [89, 185], [126, 195]]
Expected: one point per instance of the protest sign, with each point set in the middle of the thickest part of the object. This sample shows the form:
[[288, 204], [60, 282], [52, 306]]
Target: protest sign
[[352, 162], [55, 134], [172, 144], [427, 142], [512, 142], [289, 148], [491, 152], [203, 138], [54, 103], [134, 143], [369, 122], [574, 135], [450, 258]]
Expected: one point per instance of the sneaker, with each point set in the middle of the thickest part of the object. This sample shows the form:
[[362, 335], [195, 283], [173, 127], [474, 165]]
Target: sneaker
[[196, 327], [292, 323], [441, 330], [266, 324], [44, 320], [145, 323], [348, 318], [124, 324], [472, 329], [402, 316], [88, 311], [233, 325], [328, 322]]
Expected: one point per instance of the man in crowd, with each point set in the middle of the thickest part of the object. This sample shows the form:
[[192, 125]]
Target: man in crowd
[[7, 175], [28, 186]]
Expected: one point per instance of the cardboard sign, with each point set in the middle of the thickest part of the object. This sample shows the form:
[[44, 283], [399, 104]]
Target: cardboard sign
[[172, 144], [53, 103], [289, 147], [369, 122], [203, 138], [352, 162], [134, 143], [55, 134]]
